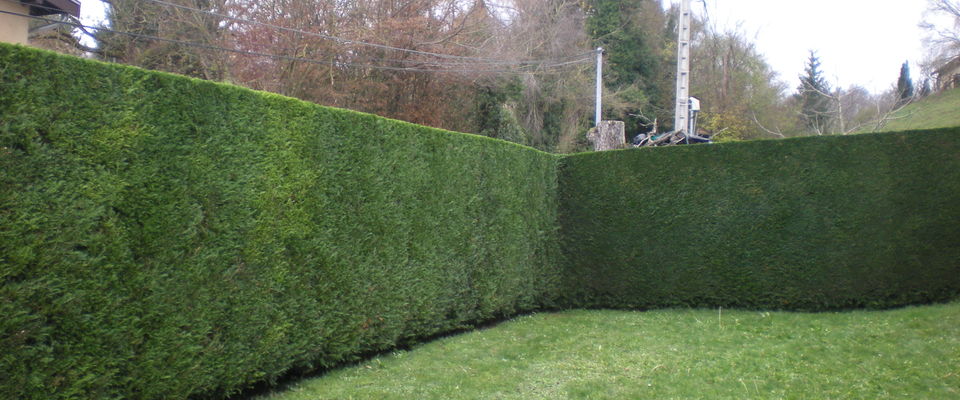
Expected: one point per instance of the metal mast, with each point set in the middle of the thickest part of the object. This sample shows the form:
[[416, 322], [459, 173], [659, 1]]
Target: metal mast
[[682, 114], [599, 91]]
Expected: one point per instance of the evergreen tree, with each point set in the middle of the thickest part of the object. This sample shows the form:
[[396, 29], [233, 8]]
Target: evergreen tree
[[630, 33], [904, 85], [924, 88], [814, 92]]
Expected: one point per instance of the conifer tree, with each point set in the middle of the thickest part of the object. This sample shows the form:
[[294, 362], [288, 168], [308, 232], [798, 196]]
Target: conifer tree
[[904, 85], [924, 88], [629, 30], [814, 93]]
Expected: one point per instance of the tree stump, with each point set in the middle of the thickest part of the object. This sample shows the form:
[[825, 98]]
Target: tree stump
[[608, 135]]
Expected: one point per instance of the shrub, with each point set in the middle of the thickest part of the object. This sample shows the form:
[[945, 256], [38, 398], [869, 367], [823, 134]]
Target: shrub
[[163, 237], [801, 224]]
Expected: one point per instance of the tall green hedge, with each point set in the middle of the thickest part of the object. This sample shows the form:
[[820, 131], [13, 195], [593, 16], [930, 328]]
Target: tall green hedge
[[162, 237], [800, 224]]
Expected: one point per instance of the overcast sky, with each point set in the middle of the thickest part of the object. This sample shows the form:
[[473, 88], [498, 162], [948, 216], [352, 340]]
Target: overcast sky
[[861, 42]]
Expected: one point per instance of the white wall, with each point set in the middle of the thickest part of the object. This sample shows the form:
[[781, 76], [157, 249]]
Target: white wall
[[13, 29]]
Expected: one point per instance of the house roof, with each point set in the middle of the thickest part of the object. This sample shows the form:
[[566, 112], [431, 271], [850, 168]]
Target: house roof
[[949, 65], [47, 7]]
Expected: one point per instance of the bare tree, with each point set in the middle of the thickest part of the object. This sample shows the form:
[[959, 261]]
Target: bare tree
[[856, 110], [155, 33], [942, 24], [739, 90], [62, 33], [549, 106]]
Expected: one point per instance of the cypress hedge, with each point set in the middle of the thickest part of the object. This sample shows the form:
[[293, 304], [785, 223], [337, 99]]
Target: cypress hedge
[[800, 224], [164, 237]]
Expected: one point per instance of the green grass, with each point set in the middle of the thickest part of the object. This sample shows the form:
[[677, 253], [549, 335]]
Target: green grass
[[910, 353], [941, 110]]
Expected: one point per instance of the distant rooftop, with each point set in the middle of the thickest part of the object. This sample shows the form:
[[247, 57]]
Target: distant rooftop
[[47, 7]]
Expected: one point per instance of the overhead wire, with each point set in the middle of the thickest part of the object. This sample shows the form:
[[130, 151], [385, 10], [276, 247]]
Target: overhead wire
[[541, 66], [548, 63], [343, 40], [362, 43]]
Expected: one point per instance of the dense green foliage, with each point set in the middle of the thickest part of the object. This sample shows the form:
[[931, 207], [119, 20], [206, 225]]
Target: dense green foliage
[[163, 236], [804, 224], [633, 34]]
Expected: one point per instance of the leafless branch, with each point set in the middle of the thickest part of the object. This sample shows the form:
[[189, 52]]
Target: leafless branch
[[777, 132]]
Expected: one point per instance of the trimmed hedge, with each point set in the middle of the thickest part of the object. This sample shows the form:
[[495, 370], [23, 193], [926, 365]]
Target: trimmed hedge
[[164, 237], [800, 224]]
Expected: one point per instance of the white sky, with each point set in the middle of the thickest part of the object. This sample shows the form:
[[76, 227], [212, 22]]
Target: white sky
[[91, 11], [862, 42]]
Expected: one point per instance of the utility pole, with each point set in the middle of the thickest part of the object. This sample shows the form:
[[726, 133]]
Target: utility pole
[[682, 114], [605, 135], [599, 92], [687, 108]]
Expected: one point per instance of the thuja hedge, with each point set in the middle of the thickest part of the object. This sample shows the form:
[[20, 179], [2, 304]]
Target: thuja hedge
[[164, 237], [802, 224]]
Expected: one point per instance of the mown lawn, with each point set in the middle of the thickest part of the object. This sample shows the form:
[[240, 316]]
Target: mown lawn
[[910, 353]]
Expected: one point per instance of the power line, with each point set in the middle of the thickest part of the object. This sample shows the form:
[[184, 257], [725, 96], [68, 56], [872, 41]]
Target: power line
[[357, 42], [535, 63], [293, 58]]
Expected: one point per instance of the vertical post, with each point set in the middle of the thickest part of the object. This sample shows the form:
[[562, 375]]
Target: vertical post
[[682, 113], [596, 116]]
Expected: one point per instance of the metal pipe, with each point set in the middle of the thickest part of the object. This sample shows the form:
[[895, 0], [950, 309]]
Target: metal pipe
[[599, 93]]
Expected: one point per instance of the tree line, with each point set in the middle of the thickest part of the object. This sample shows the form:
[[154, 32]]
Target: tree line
[[519, 70]]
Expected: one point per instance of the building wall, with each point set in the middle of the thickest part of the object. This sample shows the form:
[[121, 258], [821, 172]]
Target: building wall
[[952, 79], [13, 28], [949, 75]]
